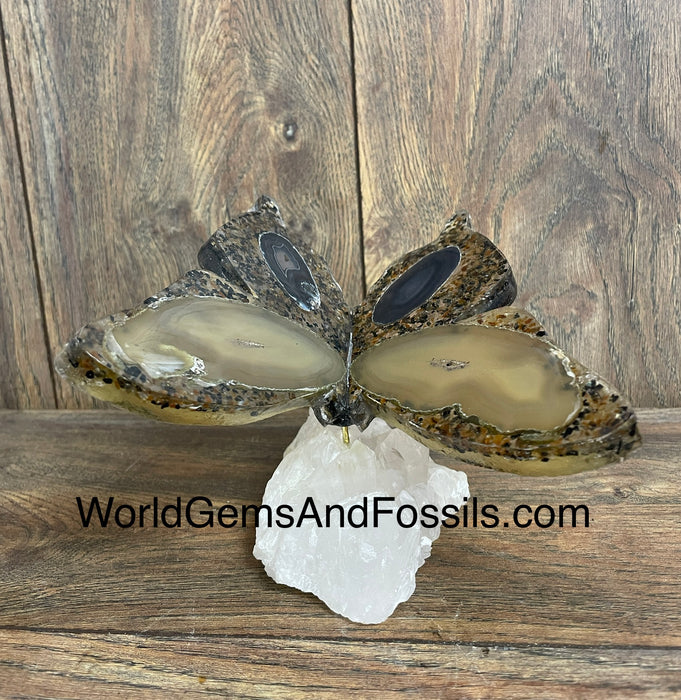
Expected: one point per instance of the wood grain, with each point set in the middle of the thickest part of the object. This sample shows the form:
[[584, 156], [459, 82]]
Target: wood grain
[[25, 375], [132, 666], [555, 124], [141, 125], [502, 612]]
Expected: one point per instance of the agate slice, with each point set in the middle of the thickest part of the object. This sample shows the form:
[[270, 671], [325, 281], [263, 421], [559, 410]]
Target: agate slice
[[435, 349]]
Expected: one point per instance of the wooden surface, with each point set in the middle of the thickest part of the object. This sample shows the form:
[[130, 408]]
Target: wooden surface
[[25, 373], [139, 612], [556, 124]]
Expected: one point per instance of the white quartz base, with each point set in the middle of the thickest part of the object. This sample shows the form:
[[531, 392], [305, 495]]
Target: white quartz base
[[361, 572]]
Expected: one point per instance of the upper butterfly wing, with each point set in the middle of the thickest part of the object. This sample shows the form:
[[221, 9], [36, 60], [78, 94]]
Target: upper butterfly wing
[[262, 329], [467, 375], [460, 274]]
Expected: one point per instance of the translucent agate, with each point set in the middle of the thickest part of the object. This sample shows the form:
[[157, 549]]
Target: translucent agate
[[221, 340], [506, 379]]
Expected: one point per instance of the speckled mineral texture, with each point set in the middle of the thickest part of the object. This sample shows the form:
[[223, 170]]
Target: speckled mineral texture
[[481, 280]]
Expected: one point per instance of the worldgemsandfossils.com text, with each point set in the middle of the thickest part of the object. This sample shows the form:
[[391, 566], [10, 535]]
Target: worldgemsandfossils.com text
[[371, 511]]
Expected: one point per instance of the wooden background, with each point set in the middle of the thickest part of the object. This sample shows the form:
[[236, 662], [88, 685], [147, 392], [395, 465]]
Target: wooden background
[[130, 129]]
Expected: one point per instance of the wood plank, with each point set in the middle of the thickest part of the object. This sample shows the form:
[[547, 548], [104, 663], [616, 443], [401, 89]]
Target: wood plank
[[134, 666], [143, 124], [25, 375], [555, 125], [559, 610]]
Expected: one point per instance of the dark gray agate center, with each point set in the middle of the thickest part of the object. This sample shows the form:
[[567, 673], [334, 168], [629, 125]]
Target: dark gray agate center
[[289, 269], [416, 285]]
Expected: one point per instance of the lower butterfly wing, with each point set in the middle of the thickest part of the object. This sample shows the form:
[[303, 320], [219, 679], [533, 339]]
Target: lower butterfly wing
[[263, 331], [494, 391]]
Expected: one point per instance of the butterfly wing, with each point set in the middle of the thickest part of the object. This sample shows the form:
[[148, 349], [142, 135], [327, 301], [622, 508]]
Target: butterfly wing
[[460, 274], [468, 375], [261, 329]]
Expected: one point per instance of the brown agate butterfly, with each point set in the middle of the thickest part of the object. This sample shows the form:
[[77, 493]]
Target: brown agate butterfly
[[435, 349]]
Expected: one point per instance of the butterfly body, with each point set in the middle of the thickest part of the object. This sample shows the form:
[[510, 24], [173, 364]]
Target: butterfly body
[[434, 349]]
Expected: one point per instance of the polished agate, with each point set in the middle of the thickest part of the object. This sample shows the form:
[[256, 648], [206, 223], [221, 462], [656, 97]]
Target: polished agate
[[289, 269], [503, 378], [435, 349], [416, 285], [220, 340]]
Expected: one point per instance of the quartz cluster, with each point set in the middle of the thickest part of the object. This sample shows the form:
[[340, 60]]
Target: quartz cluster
[[358, 519]]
